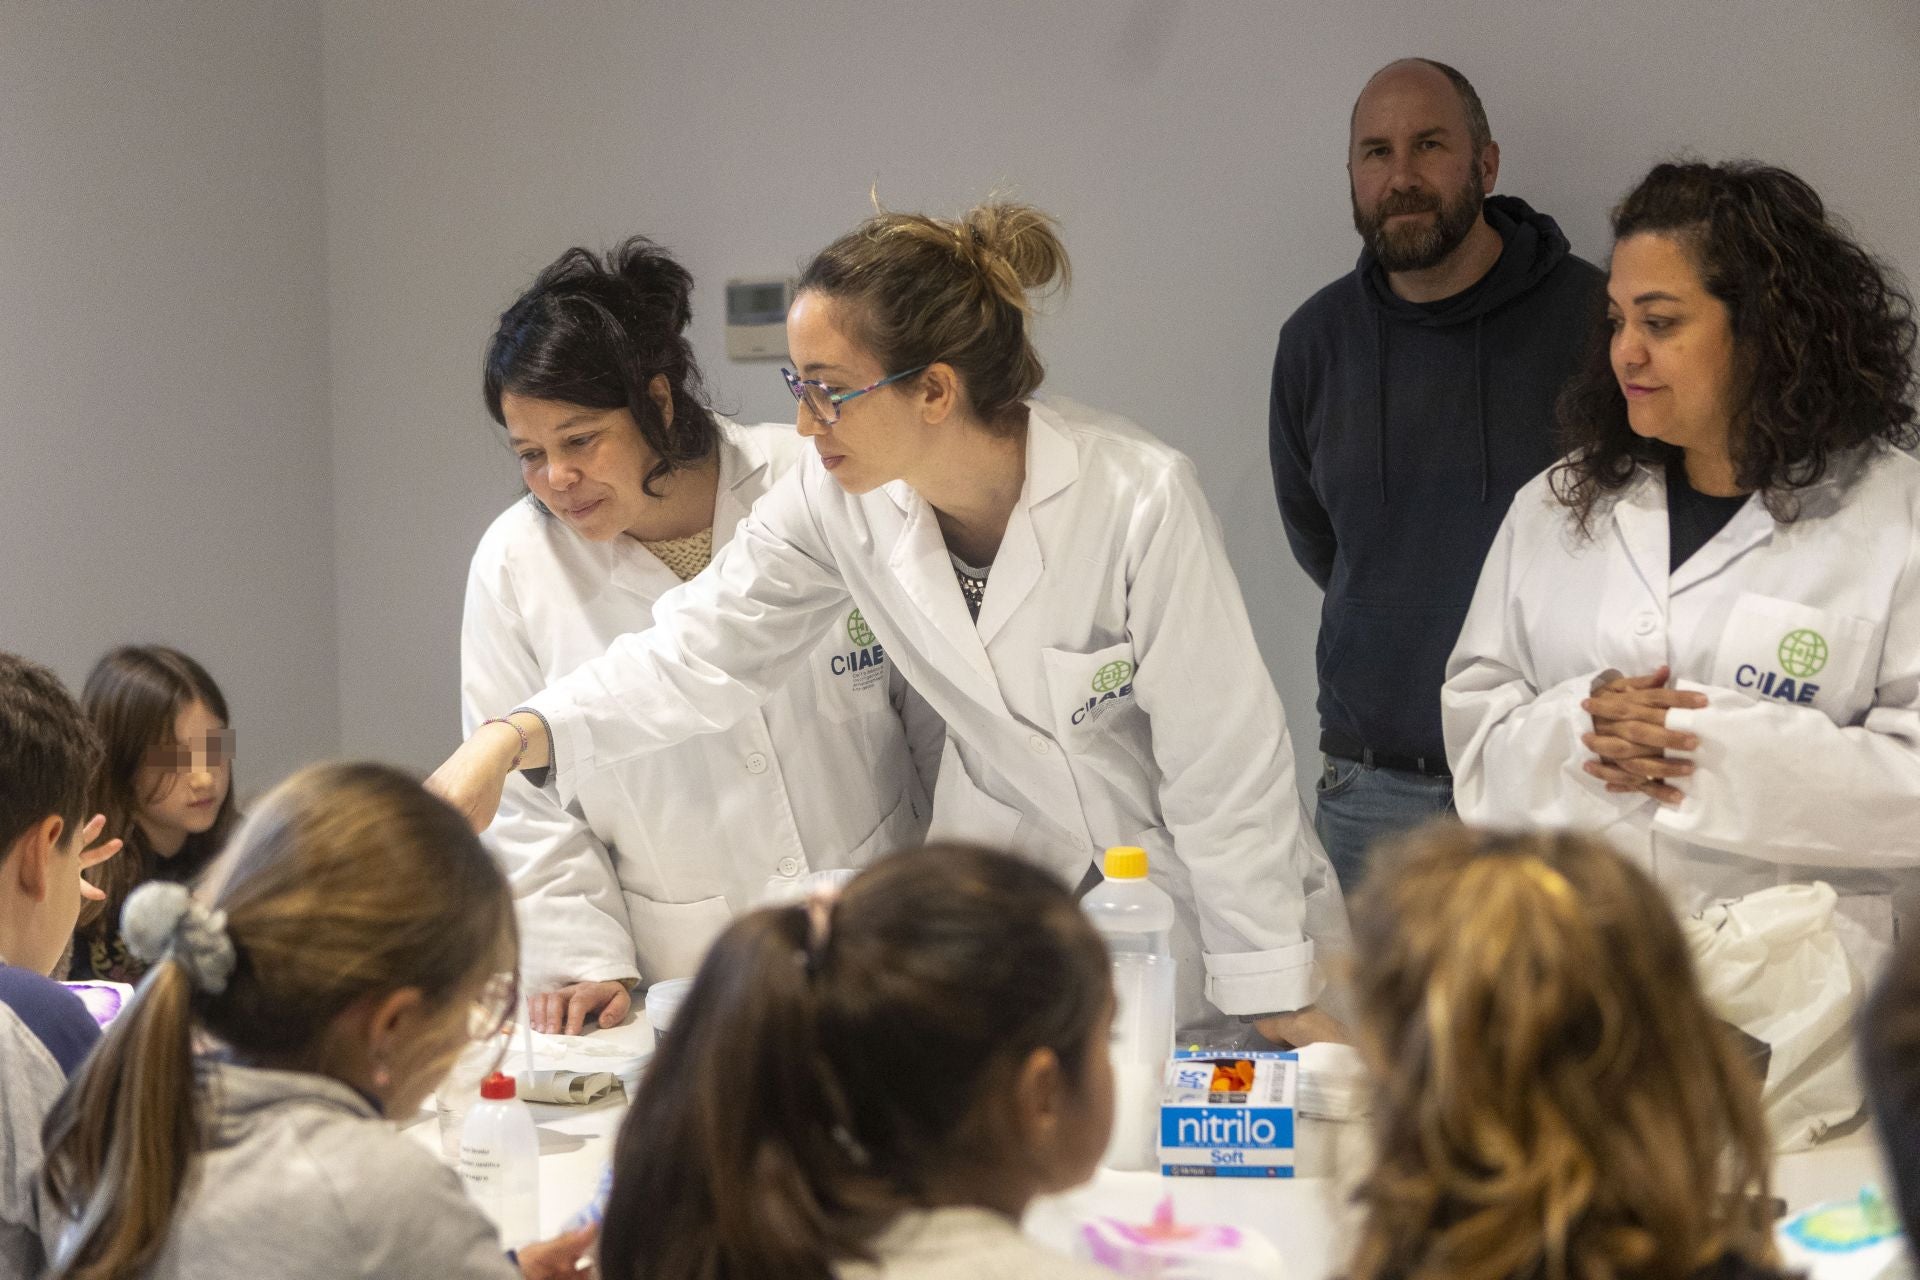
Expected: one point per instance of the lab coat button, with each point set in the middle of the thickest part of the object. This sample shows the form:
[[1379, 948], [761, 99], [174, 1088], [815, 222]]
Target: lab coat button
[[1644, 624], [1037, 744], [789, 866], [756, 763]]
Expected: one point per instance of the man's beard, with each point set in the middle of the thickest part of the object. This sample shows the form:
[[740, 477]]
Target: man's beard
[[1415, 248]]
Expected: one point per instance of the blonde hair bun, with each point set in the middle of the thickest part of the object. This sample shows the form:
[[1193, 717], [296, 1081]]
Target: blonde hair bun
[[926, 289], [1026, 239]]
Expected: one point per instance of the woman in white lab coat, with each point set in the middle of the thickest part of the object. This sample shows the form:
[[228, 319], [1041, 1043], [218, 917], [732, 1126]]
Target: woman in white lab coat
[[1700, 633], [1048, 577], [632, 484]]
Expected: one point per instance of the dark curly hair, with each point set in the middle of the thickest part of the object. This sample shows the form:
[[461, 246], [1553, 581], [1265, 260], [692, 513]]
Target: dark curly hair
[[594, 330], [1823, 335]]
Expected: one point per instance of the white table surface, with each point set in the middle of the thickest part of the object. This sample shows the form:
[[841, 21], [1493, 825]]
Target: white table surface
[[1307, 1217]]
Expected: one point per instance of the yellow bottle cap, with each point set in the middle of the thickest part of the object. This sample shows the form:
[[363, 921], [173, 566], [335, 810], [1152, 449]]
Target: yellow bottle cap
[[1125, 862]]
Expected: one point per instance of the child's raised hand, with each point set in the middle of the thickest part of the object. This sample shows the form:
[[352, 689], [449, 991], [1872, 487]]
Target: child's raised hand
[[92, 855]]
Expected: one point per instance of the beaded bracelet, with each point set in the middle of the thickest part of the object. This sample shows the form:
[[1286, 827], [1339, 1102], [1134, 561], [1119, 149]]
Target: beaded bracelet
[[526, 743]]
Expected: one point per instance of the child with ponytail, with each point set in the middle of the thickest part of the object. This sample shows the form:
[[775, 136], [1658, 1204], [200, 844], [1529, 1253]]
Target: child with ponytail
[[340, 954], [1554, 1101], [874, 1087]]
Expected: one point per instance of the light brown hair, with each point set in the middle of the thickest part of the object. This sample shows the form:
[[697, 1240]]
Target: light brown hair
[[1554, 1098], [921, 290], [349, 881]]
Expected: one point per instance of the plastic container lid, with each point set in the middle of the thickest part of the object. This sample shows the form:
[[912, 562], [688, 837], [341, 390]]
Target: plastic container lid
[[1125, 862], [497, 1087]]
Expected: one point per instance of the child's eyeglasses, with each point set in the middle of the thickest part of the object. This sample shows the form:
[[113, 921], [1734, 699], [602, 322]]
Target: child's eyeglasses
[[493, 1006]]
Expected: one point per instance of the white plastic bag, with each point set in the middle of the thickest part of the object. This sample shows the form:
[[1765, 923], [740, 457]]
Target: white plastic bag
[[1773, 965]]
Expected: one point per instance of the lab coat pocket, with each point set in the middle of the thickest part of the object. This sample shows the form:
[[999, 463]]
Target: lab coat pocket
[[1090, 694], [1787, 652], [671, 938], [850, 672]]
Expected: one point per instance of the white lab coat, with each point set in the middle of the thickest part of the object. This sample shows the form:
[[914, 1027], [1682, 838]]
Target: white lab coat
[[1809, 762], [651, 859], [1111, 692]]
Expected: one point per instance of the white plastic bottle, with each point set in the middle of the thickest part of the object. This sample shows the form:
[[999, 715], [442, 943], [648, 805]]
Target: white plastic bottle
[[499, 1161], [1135, 917]]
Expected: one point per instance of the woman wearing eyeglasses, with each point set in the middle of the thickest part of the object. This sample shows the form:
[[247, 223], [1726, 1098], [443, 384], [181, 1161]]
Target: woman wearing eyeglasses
[[632, 483], [1048, 577]]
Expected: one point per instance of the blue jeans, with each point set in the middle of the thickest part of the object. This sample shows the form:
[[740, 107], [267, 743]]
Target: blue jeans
[[1356, 806]]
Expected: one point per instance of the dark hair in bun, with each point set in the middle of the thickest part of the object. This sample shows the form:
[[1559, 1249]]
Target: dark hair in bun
[[595, 330]]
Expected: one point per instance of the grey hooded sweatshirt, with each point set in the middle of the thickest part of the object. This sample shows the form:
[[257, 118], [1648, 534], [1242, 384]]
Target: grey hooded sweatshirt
[[302, 1180]]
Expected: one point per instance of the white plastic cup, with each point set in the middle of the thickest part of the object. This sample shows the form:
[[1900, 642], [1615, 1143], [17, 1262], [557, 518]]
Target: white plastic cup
[[663, 1003], [632, 1072]]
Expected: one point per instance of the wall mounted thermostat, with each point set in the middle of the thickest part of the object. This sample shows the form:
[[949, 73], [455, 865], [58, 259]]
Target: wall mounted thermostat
[[757, 319]]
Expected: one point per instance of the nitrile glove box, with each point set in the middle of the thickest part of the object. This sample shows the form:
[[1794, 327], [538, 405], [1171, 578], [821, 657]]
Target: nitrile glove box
[[1228, 1115]]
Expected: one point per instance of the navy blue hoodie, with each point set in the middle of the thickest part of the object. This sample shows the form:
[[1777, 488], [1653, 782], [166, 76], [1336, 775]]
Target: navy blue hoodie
[[1399, 433]]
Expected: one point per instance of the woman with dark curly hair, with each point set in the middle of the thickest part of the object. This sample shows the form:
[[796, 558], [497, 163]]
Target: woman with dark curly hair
[[1700, 632]]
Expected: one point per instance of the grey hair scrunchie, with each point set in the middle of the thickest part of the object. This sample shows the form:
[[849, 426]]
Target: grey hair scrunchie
[[161, 918]]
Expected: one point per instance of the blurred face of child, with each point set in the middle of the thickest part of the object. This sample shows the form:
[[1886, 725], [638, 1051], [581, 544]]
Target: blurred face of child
[[183, 783]]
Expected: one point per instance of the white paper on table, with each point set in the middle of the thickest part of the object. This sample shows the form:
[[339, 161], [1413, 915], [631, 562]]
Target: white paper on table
[[567, 1088], [576, 1070]]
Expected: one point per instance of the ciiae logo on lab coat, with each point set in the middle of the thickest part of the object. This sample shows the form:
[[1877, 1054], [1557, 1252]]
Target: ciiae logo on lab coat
[[1111, 681], [1803, 653], [866, 663], [857, 629]]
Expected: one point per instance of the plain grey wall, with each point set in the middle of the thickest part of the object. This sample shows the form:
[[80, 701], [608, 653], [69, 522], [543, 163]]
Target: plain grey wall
[[249, 253], [1192, 150], [164, 458]]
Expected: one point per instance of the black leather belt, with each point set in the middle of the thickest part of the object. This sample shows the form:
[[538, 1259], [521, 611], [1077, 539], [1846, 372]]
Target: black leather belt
[[1342, 747]]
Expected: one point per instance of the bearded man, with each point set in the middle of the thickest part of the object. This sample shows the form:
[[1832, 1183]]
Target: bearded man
[[1411, 398]]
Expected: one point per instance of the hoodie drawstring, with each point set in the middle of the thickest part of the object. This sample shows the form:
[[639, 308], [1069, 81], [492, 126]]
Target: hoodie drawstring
[[1381, 332], [1380, 399], [1480, 409]]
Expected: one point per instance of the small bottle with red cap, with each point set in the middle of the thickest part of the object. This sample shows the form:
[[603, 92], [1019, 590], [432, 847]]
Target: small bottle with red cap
[[499, 1161]]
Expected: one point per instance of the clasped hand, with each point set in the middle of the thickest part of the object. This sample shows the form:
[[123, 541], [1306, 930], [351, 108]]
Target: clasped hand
[[1630, 738]]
